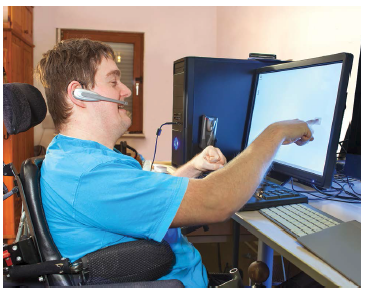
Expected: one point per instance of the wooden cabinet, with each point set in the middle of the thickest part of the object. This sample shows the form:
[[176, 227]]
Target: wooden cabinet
[[27, 23], [20, 21], [27, 64], [15, 18], [18, 65]]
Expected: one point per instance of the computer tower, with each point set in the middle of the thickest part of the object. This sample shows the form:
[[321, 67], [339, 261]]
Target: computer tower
[[216, 87]]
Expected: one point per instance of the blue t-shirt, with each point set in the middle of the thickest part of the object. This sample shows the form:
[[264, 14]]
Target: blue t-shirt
[[95, 197]]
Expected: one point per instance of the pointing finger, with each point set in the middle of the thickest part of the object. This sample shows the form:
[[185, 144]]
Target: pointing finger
[[316, 121]]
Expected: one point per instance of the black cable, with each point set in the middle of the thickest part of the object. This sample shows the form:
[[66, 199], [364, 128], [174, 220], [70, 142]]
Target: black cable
[[132, 149], [350, 186], [326, 191], [347, 182], [328, 196], [354, 196], [159, 131], [310, 192]]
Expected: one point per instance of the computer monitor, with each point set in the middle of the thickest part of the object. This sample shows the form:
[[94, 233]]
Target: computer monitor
[[305, 90], [353, 157]]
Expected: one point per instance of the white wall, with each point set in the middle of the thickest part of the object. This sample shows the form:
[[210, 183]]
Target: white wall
[[170, 33], [292, 33]]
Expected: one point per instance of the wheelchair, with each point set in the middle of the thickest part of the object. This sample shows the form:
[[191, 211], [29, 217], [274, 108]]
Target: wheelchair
[[33, 260], [136, 264]]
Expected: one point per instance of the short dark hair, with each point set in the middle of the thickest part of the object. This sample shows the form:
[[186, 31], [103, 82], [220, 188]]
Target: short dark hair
[[70, 60]]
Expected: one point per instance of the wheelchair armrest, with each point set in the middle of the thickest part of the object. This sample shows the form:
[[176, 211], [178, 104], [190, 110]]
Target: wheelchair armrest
[[136, 261]]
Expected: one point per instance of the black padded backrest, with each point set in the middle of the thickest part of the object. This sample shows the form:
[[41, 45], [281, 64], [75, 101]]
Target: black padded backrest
[[135, 261], [30, 177]]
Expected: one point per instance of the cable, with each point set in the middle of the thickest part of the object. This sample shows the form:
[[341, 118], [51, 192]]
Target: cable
[[310, 192], [132, 149], [351, 187], [159, 131], [340, 177], [327, 191], [329, 196]]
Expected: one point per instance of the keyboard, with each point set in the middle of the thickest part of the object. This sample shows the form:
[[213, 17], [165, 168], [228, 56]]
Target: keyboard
[[270, 194], [300, 219]]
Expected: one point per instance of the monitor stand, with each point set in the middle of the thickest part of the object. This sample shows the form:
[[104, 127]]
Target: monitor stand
[[278, 178]]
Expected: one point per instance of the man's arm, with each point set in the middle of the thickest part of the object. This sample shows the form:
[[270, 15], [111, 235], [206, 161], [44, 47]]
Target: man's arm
[[222, 193]]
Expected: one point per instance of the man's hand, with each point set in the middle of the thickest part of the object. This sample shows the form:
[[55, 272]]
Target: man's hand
[[296, 131], [209, 159]]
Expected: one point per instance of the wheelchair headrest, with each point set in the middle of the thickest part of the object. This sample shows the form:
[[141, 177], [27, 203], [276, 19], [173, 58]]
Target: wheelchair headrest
[[23, 107]]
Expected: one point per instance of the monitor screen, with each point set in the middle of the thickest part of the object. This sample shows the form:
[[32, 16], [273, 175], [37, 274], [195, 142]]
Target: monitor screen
[[305, 90]]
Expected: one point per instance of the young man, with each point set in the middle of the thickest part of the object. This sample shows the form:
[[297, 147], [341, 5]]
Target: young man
[[94, 197]]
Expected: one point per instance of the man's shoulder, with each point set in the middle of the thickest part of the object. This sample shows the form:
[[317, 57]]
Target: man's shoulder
[[80, 156]]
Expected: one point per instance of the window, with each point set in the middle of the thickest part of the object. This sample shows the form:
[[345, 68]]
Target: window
[[129, 51]]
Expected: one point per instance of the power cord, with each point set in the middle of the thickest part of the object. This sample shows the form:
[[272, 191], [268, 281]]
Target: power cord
[[352, 198], [158, 133], [348, 181]]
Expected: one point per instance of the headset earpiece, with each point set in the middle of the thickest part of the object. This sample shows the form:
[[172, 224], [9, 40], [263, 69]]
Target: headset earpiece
[[90, 96]]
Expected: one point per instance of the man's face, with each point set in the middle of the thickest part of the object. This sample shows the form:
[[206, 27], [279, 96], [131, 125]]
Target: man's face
[[108, 84]]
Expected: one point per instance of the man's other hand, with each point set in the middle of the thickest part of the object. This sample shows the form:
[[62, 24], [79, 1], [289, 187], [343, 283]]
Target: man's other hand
[[209, 159]]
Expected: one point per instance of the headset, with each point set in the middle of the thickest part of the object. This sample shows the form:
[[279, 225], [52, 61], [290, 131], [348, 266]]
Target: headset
[[90, 96]]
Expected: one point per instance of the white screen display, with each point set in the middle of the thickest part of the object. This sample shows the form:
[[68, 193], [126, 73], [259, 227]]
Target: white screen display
[[303, 93]]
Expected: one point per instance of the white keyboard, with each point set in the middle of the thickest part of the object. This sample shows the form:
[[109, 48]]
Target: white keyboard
[[300, 219]]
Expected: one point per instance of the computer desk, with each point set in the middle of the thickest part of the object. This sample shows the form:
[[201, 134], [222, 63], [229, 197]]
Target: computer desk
[[272, 237]]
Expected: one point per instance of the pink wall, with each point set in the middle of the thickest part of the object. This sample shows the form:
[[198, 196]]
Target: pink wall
[[228, 32], [292, 33], [170, 33]]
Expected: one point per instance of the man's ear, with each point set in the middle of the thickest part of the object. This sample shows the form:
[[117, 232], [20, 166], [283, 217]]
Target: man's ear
[[72, 86]]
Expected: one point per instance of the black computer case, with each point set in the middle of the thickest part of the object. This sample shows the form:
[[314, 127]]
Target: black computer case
[[215, 87]]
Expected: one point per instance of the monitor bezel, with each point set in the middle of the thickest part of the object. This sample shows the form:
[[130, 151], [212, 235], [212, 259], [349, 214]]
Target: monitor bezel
[[308, 178]]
